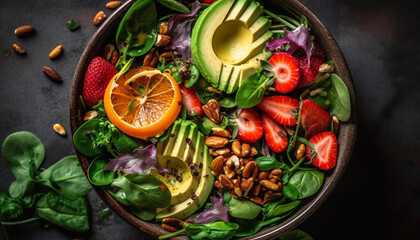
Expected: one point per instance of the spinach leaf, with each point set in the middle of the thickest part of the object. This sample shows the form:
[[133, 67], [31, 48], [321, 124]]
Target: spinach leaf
[[136, 33], [340, 98], [23, 153], [269, 163], [214, 231], [69, 214], [96, 173], [227, 102], [307, 182], [279, 210], [290, 191], [66, 177], [252, 89], [296, 234], [243, 208], [124, 143], [250, 227], [202, 87], [145, 193], [175, 5], [84, 142], [194, 76]]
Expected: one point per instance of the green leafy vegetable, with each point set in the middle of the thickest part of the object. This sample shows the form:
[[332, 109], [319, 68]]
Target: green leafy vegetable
[[72, 25], [269, 163], [339, 97], [307, 182], [227, 102], [296, 234], [144, 192], [276, 209], [175, 5], [66, 213], [194, 76], [251, 91], [214, 231], [202, 90], [243, 208], [96, 173]]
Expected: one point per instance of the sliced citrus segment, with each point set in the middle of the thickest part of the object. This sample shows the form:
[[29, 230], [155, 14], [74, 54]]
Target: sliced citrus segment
[[143, 102]]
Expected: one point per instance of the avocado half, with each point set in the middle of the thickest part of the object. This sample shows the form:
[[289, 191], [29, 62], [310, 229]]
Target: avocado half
[[228, 41], [186, 156]]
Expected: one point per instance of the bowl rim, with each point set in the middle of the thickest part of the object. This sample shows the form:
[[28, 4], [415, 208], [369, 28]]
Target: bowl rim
[[346, 135]]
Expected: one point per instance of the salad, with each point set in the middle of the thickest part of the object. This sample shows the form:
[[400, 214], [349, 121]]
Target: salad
[[214, 118]]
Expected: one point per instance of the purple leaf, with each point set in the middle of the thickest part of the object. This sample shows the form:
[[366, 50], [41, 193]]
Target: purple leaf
[[298, 39], [180, 28], [216, 212], [141, 160]]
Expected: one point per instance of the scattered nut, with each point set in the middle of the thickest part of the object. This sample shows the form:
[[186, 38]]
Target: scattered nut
[[163, 28], [113, 4], [216, 142], [269, 185], [99, 18], [276, 172], [162, 40], [221, 132], [212, 110], [217, 164], [242, 150], [108, 51], [115, 57], [90, 115], [172, 224], [218, 184], [268, 196], [219, 151], [55, 52], [263, 175], [249, 169], [226, 182], [326, 68], [300, 151], [336, 124], [256, 190], [229, 172], [18, 49], [52, 74], [254, 151], [24, 31], [168, 56], [256, 200], [246, 185], [151, 58], [233, 161], [213, 89], [59, 129]]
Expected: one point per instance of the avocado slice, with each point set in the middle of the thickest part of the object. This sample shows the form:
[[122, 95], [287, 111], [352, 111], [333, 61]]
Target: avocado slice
[[189, 155], [226, 36]]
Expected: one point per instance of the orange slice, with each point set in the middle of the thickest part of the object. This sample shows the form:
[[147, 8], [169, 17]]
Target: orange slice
[[143, 102]]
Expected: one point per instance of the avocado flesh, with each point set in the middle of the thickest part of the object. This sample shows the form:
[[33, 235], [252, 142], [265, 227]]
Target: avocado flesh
[[194, 153], [234, 41]]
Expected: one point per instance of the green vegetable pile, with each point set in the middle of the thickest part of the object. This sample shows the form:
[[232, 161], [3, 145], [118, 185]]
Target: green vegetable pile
[[56, 194]]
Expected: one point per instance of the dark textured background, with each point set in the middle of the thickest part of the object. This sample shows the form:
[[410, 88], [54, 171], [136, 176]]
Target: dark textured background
[[377, 198]]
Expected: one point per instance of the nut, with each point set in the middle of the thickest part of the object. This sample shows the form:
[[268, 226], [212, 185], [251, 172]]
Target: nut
[[18, 49], [268, 196], [115, 57], [55, 52], [99, 18], [229, 172], [249, 169], [269, 185], [219, 151], [218, 184], [151, 58], [263, 175], [326, 68], [90, 115], [59, 129], [162, 40], [237, 191], [216, 142], [113, 4], [217, 164], [336, 124], [168, 56], [253, 152], [301, 151], [233, 161], [226, 182], [24, 31], [246, 185], [276, 172], [242, 150], [52, 74], [256, 190], [163, 28], [256, 200], [221, 132], [212, 110], [108, 51], [172, 224]]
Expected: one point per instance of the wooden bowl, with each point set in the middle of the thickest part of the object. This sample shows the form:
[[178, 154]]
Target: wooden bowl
[[346, 135]]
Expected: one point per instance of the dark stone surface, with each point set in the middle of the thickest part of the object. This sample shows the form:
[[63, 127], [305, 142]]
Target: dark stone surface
[[378, 197]]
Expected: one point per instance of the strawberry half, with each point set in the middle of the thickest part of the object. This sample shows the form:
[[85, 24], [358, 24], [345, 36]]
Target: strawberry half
[[286, 71], [325, 148], [97, 76], [250, 127], [274, 134], [190, 99], [314, 118], [280, 108], [309, 72]]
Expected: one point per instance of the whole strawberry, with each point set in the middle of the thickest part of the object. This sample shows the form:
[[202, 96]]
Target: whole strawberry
[[97, 77]]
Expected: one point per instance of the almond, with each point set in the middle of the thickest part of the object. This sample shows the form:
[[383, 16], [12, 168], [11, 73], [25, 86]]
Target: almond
[[113, 4], [52, 74], [99, 18], [18, 49], [90, 115], [55, 52], [24, 30], [217, 164], [59, 129]]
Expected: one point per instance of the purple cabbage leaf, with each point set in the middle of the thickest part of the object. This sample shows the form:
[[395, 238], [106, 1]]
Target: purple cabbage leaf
[[141, 160], [180, 28], [299, 38], [216, 212]]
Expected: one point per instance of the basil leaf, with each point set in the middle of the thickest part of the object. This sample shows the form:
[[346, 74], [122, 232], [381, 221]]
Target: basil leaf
[[307, 182], [175, 5], [251, 91], [243, 208], [281, 210], [213, 231], [269, 163], [339, 97]]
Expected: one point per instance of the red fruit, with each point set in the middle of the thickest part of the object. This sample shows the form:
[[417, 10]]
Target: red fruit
[[286, 71], [325, 149], [318, 51], [280, 108], [97, 77], [250, 127], [190, 100], [209, 1], [314, 118], [309, 72], [274, 134]]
